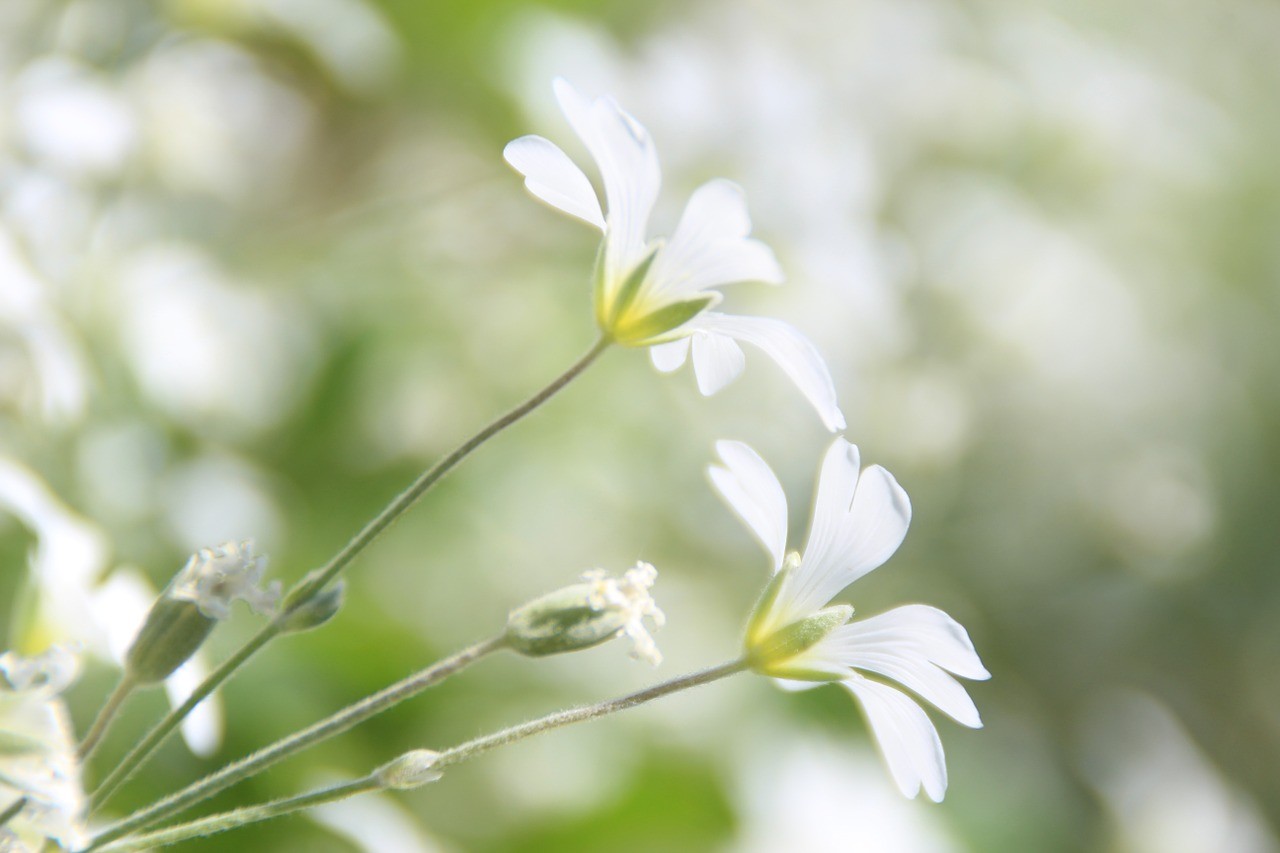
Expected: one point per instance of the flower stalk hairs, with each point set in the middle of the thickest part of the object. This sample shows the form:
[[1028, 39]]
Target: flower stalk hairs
[[859, 519], [657, 293]]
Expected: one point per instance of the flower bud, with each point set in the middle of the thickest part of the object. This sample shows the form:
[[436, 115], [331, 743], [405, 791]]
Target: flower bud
[[317, 610], [587, 614], [197, 599], [174, 631], [411, 770], [215, 577]]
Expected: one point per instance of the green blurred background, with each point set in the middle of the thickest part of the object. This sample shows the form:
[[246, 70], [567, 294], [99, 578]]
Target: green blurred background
[[261, 262]]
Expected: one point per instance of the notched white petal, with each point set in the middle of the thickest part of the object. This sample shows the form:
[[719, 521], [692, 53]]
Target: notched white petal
[[628, 164], [710, 245], [551, 176], [906, 737], [670, 356], [752, 490], [717, 361], [792, 351]]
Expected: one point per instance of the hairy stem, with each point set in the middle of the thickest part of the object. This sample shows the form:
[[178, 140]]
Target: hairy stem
[[107, 843], [333, 725], [239, 817], [472, 748]]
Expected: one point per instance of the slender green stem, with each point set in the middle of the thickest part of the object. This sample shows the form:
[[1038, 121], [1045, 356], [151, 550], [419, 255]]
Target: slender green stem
[[11, 811], [472, 748], [239, 817], [316, 581], [107, 842], [135, 758], [108, 713], [330, 726]]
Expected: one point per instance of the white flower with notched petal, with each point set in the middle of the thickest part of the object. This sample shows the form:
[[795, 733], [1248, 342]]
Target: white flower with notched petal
[[859, 520], [656, 293]]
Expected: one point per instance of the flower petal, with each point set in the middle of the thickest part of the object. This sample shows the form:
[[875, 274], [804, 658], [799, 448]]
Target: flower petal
[[926, 631], [717, 361], [710, 247], [749, 486], [793, 352], [628, 164], [202, 728], [551, 176], [859, 520], [896, 646], [670, 356], [906, 737]]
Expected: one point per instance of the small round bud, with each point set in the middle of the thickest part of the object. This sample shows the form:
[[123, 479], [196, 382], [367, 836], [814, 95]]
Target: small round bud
[[411, 770], [319, 609]]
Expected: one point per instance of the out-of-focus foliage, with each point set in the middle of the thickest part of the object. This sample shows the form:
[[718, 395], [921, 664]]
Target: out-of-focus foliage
[[260, 262]]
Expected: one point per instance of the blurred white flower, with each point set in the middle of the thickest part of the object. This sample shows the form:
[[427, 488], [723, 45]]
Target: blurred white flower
[[859, 520], [215, 577], [656, 293], [38, 753], [73, 603]]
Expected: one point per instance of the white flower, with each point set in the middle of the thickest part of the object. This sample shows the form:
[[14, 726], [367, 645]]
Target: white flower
[[73, 603], [629, 597], [38, 753], [215, 577], [656, 293], [859, 520]]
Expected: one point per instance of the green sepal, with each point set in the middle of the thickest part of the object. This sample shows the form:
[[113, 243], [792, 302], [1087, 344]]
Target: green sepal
[[644, 331], [626, 295], [561, 621], [760, 615], [598, 289], [174, 630], [771, 654], [316, 611]]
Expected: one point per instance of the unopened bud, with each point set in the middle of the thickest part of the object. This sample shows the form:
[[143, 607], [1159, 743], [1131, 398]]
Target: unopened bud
[[411, 770], [174, 630], [197, 599], [587, 614], [319, 609], [215, 577]]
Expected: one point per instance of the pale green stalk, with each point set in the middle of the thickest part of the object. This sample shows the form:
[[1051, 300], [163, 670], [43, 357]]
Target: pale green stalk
[[105, 716], [11, 811], [472, 748], [317, 580], [239, 817], [106, 843], [333, 725]]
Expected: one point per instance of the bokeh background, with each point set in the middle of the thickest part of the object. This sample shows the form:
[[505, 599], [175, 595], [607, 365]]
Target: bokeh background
[[261, 262]]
